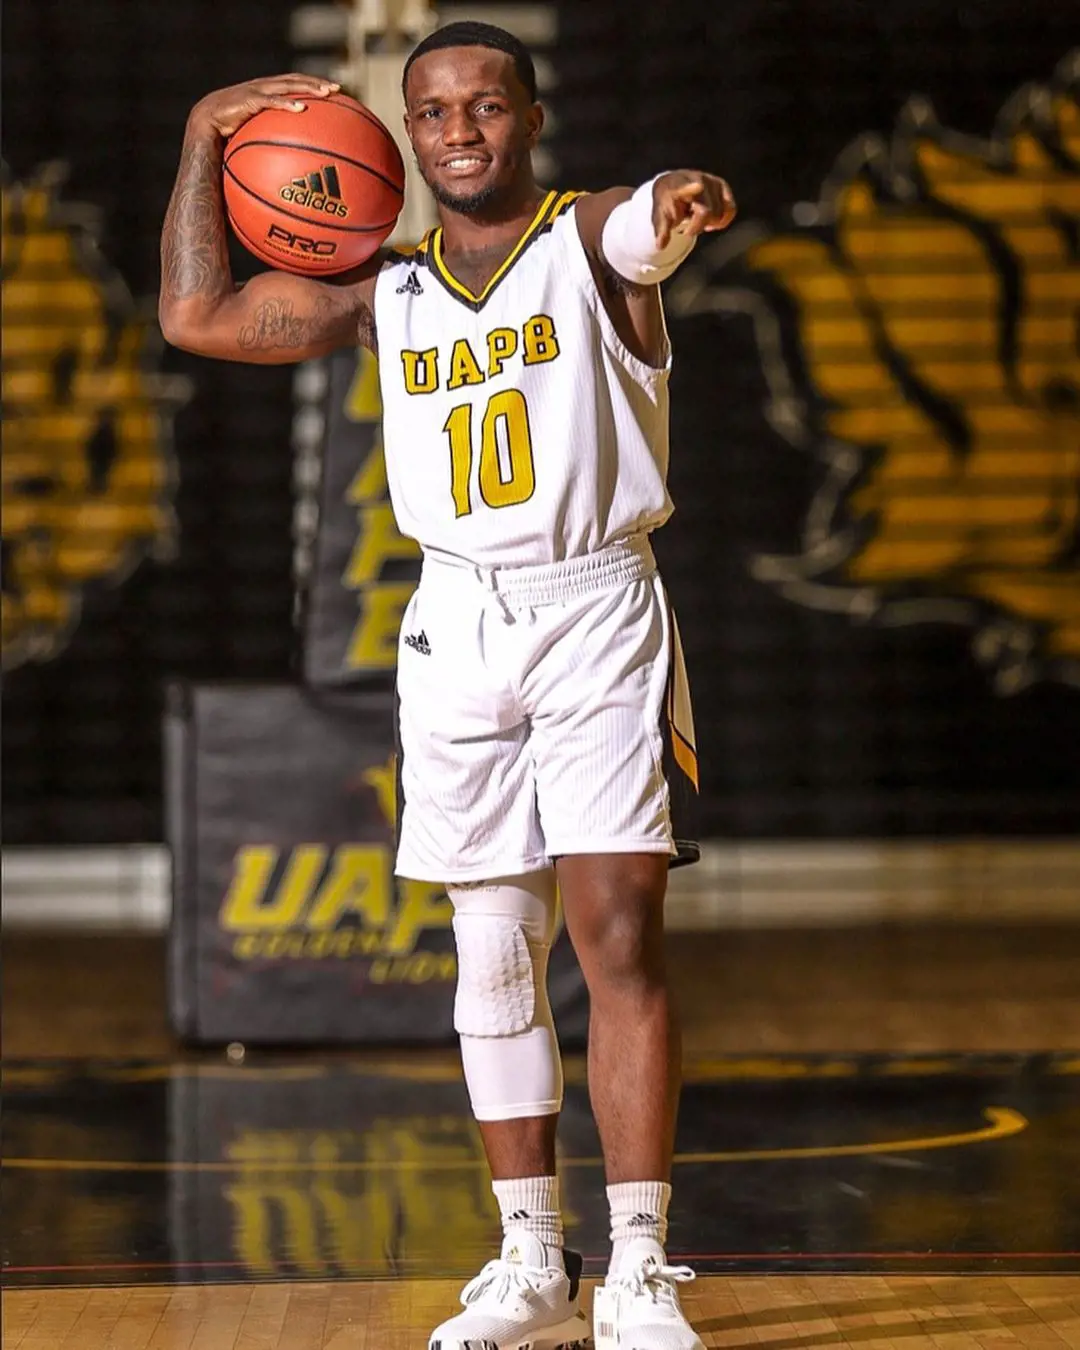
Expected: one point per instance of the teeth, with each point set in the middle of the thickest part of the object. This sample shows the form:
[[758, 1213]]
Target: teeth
[[462, 163]]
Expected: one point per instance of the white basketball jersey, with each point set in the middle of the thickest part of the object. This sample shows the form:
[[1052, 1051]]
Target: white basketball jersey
[[518, 428]]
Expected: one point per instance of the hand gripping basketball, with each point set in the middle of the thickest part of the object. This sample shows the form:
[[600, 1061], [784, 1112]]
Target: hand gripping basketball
[[226, 110], [313, 181]]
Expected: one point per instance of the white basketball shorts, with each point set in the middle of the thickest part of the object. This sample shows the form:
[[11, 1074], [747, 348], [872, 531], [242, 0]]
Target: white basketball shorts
[[541, 711]]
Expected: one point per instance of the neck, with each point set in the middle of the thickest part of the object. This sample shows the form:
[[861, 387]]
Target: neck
[[503, 218]]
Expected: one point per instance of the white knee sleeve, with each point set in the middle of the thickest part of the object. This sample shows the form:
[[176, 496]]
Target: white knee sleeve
[[503, 930]]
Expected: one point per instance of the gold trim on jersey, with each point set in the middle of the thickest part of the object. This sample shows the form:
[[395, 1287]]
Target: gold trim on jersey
[[553, 206], [405, 253]]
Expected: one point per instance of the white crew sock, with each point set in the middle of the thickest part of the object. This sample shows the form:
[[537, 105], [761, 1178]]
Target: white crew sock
[[532, 1204], [638, 1210]]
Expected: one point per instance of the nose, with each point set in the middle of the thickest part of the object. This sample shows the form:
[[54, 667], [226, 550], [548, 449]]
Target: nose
[[459, 128]]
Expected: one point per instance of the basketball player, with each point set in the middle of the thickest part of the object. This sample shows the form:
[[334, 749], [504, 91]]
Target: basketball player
[[524, 369]]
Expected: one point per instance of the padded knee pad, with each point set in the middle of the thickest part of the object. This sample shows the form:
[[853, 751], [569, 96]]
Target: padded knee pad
[[496, 989], [503, 930]]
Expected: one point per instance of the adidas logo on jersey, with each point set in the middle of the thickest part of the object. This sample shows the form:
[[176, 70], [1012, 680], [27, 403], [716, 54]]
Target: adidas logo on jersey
[[418, 642], [411, 286], [318, 191]]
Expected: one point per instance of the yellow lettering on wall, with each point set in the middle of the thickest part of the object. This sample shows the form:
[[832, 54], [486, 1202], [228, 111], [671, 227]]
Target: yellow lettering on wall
[[423, 905], [502, 344], [421, 371], [363, 402], [541, 344], [359, 883], [374, 639], [383, 778], [370, 483], [377, 541], [243, 909], [464, 368]]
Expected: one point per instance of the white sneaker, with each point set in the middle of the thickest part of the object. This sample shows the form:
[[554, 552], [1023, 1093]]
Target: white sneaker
[[638, 1306], [519, 1302]]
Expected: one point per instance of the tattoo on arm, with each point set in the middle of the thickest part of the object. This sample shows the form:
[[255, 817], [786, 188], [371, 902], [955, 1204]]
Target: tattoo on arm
[[194, 253], [275, 325]]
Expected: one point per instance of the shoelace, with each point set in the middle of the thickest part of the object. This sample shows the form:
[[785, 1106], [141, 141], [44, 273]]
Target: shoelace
[[657, 1281], [501, 1277]]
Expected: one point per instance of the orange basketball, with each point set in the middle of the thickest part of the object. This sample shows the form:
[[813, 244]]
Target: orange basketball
[[314, 192]]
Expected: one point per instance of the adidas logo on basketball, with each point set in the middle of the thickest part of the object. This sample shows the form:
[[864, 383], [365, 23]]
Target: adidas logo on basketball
[[318, 191], [418, 642]]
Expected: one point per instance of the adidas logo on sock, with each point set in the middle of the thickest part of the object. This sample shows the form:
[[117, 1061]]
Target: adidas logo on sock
[[419, 643], [519, 1216], [643, 1221]]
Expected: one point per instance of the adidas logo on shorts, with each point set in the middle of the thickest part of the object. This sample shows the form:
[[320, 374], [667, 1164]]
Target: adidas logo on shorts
[[418, 642]]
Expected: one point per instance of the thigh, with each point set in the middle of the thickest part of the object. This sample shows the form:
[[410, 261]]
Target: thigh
[[613, 906], [599, 703], [466, 788]]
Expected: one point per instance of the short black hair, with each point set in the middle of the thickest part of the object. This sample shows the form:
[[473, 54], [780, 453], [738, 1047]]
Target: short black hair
[[470, 34]]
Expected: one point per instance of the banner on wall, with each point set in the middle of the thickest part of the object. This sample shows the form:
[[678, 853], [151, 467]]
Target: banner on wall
[[88, 478], [288, 924], [363, 571], [918, 330]]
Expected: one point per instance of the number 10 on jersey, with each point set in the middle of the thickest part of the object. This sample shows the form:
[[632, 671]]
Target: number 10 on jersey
[[506, 472]]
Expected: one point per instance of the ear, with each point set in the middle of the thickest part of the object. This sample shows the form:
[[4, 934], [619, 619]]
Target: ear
[[534, 124]]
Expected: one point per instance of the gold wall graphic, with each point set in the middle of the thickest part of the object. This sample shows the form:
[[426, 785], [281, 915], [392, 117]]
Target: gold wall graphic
[[88, 477], [919, 329]]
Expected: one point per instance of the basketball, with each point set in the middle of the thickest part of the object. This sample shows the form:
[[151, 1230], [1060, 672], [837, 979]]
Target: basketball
[[315, 192]]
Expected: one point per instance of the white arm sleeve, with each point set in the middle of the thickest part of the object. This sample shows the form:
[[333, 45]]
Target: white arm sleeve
[[628, 241]]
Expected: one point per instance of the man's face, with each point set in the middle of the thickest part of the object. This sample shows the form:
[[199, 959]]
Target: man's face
[[471, 125]]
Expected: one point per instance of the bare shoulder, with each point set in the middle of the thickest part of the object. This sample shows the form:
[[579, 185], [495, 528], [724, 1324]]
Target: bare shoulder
[[360, 281]]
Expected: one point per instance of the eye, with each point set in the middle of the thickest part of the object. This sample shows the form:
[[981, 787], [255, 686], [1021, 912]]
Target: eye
[[429, 113]]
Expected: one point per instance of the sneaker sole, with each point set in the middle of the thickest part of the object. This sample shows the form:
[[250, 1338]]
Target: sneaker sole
[[571, 1335]]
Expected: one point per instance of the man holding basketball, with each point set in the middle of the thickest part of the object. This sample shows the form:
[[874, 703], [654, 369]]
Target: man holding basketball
[[544, 721]]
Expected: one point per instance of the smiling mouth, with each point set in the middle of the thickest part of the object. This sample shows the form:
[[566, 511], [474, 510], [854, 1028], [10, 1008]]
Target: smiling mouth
[[464, 164]]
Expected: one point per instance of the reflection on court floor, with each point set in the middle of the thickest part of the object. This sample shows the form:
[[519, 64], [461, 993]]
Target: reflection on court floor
[[345, 1168]]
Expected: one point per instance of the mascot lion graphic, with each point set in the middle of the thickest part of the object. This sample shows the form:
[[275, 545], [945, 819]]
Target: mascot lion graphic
[[920, 333], [87, 474]]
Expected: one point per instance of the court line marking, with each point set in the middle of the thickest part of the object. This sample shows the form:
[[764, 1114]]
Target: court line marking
[[1004, 1122], [934, 1259], [712, 1070]]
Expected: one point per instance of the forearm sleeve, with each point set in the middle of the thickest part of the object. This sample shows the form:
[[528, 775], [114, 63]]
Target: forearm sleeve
[[628, 241]]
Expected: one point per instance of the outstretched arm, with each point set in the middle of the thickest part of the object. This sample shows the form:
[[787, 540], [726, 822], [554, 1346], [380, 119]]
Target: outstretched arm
[[636, 239], [276, 317]]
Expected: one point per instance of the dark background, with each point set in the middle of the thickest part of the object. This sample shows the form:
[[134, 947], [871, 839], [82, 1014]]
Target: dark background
[[807, 724]]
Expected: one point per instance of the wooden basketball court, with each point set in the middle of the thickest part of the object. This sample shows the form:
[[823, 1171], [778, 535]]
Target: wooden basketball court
[[781, 1312], [845, 1177]]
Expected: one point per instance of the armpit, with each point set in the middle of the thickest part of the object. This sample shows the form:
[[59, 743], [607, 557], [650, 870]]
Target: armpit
[[615, 284]]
